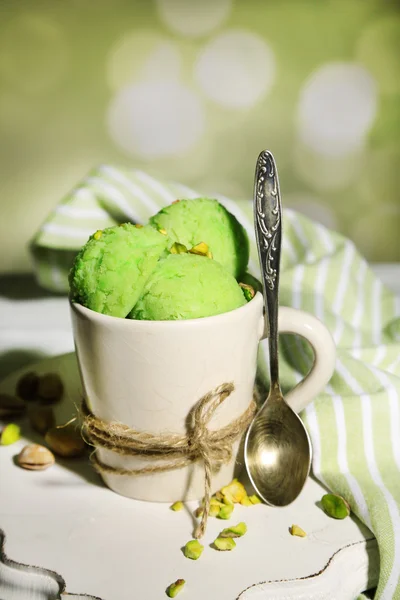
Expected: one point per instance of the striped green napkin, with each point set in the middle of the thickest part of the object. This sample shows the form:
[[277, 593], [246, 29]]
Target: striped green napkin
[[355, 424]]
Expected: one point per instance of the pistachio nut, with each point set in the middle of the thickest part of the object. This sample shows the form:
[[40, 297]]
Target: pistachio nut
[[65, 441], [234, 531], [50, 388], [246, 501], [225, 511], [163, 231], [234, 492], [224, 543], [193, 549], [10, 434], [11, 406], [27, 386], [200, 249], [176, 587], [41, 418], [248, 291], [98, 234], [335, 506], [178, 248], [298, 531], [35, 458], [254, 499], [176, 506], [199, 512], [138, 226]]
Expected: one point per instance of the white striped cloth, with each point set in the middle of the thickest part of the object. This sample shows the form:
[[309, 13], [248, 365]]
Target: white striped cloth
[[355, 424]]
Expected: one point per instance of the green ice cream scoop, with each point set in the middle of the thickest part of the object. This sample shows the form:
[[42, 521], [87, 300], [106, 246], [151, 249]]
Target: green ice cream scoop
[[190, 222], [187, 286], [110, 271]]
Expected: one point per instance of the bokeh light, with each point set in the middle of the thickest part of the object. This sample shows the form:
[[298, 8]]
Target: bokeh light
[[193, 19], [236, 69], [142, 55], [156, 119], [33, 54], [337, 107]]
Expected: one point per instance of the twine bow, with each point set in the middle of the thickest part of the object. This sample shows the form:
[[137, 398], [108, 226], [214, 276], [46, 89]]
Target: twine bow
[[212, 447]]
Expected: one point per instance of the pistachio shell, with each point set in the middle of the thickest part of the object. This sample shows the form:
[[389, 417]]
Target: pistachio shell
[[41, 418], [65, 441], [11, 406], [35, 458], [27, 386], [50, 388]]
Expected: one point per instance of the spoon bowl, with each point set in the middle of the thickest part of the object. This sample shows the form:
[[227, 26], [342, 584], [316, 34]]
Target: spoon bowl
[[277, 450]]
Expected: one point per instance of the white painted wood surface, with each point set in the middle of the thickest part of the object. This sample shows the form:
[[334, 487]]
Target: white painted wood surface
[[64, 519]]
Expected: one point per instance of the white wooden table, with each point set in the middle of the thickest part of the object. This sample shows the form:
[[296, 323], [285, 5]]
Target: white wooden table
[[114, 548]]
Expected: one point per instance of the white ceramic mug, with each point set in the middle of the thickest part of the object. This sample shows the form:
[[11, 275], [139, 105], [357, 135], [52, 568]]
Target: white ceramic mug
[[149, 375]]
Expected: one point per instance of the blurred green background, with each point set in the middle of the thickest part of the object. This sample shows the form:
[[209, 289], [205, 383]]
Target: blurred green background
[[192, 90]]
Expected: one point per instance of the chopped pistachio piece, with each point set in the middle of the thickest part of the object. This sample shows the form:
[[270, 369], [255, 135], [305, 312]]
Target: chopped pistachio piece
[[234, 531], [335, 506], [225, 511], [199, 512], [298, 531], [248, 291], [176, 506], [201, 249], [10, 434], [175, 588], [254, 499], [178, 248], [98, 234], [193, 549], [225, 543], [163, 231], [175, 202], [138, 226], [219, 496], [234, 492], [246, 501]]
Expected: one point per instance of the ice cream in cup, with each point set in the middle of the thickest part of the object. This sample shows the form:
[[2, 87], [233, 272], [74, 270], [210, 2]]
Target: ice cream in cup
[[160, 324]]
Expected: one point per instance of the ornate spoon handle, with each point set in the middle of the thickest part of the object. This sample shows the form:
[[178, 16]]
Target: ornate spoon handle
[[268, 227]]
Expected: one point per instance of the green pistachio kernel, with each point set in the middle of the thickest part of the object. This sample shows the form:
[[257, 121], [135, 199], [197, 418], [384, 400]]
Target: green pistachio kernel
[[193, 549], [234, 531], [178, 248], [254, 499], [222, 543], [225, 511], [176, 587], [176, 506], [10, 434], [335, 506], [298, 531]]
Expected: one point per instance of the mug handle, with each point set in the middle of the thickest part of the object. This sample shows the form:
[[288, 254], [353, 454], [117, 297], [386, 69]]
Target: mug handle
[[292, 320]]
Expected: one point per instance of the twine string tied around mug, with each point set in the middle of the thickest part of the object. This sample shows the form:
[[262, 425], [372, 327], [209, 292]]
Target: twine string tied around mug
[[171, 450]]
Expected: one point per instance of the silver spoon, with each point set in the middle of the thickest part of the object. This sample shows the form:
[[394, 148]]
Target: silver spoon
[[277, 448]]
